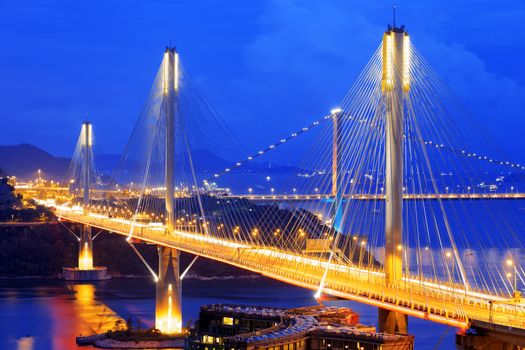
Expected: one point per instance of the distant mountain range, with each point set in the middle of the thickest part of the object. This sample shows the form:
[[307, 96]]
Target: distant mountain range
[[25, 160]]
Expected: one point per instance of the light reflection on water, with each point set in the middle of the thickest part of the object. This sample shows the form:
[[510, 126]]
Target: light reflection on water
[[25, 343], [94, 313], [49, 314]]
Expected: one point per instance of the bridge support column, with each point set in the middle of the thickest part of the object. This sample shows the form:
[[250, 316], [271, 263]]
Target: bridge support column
[[392, 322], [489, 336], [168, 311], [168, 308], [85, 249], [395, 82]]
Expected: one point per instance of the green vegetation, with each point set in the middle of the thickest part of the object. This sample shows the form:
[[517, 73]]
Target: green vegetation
[[25, 250], [12, 207], [8, 200], [44, 250], [130, 332]]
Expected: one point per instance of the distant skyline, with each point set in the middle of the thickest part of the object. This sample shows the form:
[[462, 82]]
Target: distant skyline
[[269, 67]]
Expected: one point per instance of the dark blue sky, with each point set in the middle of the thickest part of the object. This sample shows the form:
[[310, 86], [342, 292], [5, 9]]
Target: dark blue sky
[[269, 67]]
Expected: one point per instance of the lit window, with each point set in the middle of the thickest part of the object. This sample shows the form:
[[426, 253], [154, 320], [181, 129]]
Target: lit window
[[207, 339], [227, 321]]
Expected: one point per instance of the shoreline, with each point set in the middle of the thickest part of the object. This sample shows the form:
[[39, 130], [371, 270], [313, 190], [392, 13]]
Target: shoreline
[[102, 341], [137, 277]]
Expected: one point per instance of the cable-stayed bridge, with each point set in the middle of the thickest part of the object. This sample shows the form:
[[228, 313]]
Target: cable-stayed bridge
[[382, 228]]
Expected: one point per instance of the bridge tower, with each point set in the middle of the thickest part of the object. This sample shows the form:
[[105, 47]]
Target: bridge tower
[[85, 253], [86, 271], [395, 83], [168, 310]]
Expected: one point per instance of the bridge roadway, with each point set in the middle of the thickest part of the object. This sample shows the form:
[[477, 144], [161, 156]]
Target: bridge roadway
[[302, 197], [427, 299]]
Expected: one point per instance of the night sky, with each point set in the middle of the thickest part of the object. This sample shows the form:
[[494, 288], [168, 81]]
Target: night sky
[[269, 67]]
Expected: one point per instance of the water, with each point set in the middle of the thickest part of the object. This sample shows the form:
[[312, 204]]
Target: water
[[41, 314]]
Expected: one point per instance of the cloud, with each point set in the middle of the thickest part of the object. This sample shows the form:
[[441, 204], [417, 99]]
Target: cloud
[[270, 67], [300, 65], [307, 54]]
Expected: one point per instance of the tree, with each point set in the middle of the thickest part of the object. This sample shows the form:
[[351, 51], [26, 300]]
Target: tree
[[8, 199], [117, 325], [129, 324]]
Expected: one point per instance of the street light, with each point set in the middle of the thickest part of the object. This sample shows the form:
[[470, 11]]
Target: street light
[[336, 111], [510, 263]]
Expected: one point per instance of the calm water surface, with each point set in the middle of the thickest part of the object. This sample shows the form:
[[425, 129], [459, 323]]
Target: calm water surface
[[48, 314]]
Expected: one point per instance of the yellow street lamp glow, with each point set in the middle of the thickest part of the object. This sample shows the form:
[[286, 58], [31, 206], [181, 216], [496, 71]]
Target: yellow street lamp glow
[[406, 63], [86, 135], [85, 261], [395, 57], [387, 83], [166, 71], [510, 262], [176, 72]]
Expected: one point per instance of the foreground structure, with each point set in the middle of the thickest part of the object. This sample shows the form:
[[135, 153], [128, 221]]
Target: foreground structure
[[238, 327]]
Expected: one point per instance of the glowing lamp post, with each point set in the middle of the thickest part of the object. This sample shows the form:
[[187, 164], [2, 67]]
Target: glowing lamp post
[[510, 263]]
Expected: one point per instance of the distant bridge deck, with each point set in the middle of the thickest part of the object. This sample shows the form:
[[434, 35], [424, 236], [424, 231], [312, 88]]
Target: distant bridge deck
[[306, 197], [377, 197], [427, 299]]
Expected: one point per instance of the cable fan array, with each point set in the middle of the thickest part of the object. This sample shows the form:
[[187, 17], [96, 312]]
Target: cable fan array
[[82, 167], [464, 244]]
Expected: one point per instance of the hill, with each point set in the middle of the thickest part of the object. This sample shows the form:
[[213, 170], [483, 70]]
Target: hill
[[24, 160]]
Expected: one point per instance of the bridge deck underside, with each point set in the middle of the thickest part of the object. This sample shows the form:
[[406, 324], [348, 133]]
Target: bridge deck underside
[[426, 299]]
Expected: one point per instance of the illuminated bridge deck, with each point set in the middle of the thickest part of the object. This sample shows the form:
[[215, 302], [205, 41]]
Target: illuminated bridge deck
[[377, 197], [302, 197], [426, 299]]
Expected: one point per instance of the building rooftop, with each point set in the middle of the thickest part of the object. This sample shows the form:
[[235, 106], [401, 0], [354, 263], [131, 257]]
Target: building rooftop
[[326, 321]]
